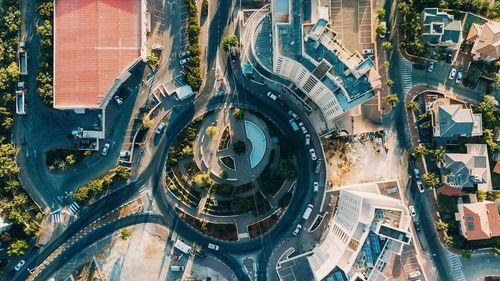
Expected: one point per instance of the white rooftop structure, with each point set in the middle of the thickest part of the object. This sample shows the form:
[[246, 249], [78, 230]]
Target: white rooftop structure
[[367, 229]]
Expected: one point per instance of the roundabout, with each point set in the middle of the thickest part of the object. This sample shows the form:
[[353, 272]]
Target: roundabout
[[231, 174]]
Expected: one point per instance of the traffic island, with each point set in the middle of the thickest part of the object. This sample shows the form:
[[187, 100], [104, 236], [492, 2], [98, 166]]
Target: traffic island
[[228, 168]]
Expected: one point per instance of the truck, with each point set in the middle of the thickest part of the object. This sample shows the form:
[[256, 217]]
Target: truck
[[20, 109], [183, 247], [307, 212], [23, 58]]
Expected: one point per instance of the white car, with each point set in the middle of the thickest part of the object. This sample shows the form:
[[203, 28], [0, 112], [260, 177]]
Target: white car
[[297, 229], [105, 149], [19, 265], [160, 128], [431, 66], [272, 96], [308, 139], [412, 211], [124, 154], [460, 76], [118, 100], [453, 72], [303, 128], [313, 154], [368, 52], [183, 61], [157, 47], [293, 114], [420, 186], [315, 186], [184, 54], [417, 173], [213, 247]]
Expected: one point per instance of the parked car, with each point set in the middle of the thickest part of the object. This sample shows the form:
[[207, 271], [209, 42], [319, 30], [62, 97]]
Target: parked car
[[105, 149], [367, 52], [160, 127], [453, 72], [124, 154], [308, 139], [184, 54], [315, 186], [449, 57], [383, 25], [417, 173], [303, 128], [313, 154], [177, 268], [183, 61], [118, 100], [213, 247], [19, 265], [272, 96], [460, 76], [297, 230], [412, 211], [200, 254], [420, 186], [293, 114], [417, 226], [293, 124], [431, 66], [318, 167], [157, 47]]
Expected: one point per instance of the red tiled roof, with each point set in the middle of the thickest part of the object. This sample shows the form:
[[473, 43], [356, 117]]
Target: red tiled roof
[[484, 219], [94, 41], [449, 191]]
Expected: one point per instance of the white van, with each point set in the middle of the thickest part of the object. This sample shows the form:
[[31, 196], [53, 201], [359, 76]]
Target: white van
[[177, 268]]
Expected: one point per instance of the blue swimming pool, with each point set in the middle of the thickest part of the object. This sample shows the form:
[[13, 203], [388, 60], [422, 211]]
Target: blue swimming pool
[[258, 140]]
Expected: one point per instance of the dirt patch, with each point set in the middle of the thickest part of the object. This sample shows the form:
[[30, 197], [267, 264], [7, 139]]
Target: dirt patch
[[223, 231], [261, 227]]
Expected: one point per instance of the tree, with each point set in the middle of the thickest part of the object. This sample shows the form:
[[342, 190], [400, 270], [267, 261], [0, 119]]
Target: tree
[[146, 122], [204, 7], [152, 60], [17, 248], [496, 252], [239, 147], [441, 225], [380, 13], [386, 45], [467, 254], [223, 174], [421, 150], [224, 189], [392, 99], [489, 109], [481, 195], [211, 131], [381, 30], [431, 179], [439, 154], [386, 64], [447, 240], [229, 42], [203, 180], [238, 113], [413, 105], [287, 168], [488, 137], [70, 159], [9, 166], [125, 233], [390, 83]]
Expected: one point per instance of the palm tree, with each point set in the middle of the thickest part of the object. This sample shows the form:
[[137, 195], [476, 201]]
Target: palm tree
[[439, 154], [229, 42], [421, 150]]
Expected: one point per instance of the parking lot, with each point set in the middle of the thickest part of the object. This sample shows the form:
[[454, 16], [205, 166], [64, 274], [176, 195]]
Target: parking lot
[[351, 20], [409, 261]]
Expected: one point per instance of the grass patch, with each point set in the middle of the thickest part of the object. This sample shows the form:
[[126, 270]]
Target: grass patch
[[447, 204]]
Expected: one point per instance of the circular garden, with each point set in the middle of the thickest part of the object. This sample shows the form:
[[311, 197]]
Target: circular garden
[[230, 174]]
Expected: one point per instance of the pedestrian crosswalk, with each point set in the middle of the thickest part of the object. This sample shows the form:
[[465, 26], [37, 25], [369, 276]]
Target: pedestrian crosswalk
[[456, 267], [73, 208], [406, 70], [56, 218]]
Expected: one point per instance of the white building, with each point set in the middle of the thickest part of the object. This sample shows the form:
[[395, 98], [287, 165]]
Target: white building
[[368, 229]]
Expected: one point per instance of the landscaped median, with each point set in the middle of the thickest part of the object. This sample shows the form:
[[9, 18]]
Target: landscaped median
[[94, 189], [223, 231]]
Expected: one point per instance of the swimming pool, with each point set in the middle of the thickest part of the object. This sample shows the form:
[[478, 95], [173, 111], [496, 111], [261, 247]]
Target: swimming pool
[[258, 140]]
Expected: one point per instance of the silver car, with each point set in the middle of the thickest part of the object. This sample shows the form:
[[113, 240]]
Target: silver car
[[105, 149], [313, 154]]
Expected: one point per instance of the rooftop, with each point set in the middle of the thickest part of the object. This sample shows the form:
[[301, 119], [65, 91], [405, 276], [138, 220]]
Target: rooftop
[[94, 42], [479, 220]]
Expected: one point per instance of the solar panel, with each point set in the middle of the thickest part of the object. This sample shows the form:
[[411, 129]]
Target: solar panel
[[368, 254], [375, 243]]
